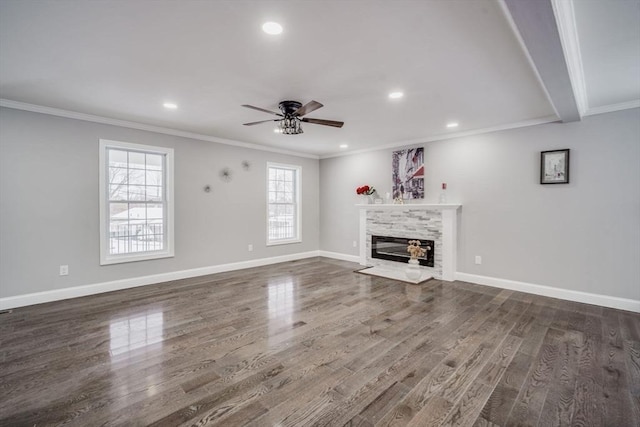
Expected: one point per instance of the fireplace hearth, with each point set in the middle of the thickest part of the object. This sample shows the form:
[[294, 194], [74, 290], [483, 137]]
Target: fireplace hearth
[[395, 249]]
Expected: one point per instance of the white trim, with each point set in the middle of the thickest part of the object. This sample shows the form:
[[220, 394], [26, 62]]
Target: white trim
[[362, 236], [410, 206], [449, 243], [140, 126], [548, 291], [7, 103], [569, 38], [342, 257], [105, 257], [98, 288], [613, 107], [442, 137]]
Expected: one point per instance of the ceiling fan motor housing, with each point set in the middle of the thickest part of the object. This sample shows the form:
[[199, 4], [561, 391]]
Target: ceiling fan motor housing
[[289, 107]]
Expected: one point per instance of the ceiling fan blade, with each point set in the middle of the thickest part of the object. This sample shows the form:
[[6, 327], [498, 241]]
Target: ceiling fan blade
[[333, 123], [262, 109], [307, 108], [261, 121]]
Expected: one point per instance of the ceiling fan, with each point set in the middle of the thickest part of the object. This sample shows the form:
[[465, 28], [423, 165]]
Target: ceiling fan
[[291, 113]]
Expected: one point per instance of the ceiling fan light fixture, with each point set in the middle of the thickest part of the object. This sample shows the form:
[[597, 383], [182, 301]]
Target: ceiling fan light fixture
[[290, 126]]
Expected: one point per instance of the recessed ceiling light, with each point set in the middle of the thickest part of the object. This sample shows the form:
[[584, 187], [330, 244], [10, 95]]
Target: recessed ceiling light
[[396, 95], [344, 146], [277, 130], [170, 105], [272, 28], [452, 125]]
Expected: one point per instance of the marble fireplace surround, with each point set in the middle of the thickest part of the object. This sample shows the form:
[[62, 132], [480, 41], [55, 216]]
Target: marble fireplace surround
[[437, 222]]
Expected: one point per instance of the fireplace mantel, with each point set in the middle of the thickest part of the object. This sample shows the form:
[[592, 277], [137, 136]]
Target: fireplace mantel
[[408, 206], [447, 214]]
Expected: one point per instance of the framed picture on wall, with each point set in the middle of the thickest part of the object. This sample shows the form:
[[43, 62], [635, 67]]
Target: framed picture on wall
[[407, 168], [554, 167]]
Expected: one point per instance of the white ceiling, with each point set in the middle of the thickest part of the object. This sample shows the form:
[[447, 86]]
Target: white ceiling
[[463, 61]]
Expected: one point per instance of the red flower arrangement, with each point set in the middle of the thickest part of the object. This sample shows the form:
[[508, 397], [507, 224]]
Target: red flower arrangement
[[365, 190]]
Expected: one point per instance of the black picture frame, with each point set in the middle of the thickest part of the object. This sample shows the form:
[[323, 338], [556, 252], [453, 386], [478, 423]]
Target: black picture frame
[[554, 167]]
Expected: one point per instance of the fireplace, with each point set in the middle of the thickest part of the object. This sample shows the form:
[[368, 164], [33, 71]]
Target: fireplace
[[421, 221], [395, 249]]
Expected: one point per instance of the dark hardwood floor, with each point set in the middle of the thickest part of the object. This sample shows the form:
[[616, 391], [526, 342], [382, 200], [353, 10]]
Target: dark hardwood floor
[[313, 343]]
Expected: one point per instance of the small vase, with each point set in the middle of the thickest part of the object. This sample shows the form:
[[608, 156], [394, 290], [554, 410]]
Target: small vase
[[413, 271], [371, 198]]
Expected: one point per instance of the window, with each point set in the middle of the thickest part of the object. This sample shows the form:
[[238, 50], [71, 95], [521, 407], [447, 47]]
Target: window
[[136, 202], [283, 207]]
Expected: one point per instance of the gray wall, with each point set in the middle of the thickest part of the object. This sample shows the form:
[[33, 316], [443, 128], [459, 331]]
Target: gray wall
[[49, 203], [582, 236]]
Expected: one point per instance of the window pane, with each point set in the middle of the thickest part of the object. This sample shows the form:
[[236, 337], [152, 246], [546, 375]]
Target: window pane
[[137, 192], [154, 178], [118, 192], [137, 213], [117, 158], [118, 228], [154, 161], [154, 194], [154, 211], [136, 160], [116, 211], [118, 174], [136, 177]]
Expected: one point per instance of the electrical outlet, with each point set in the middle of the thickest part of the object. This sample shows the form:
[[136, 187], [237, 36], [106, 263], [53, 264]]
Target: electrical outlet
[[478, 259], [250, 248], [355, 244], [64, 270]]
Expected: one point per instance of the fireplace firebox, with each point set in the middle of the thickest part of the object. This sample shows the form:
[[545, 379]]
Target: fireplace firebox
[[395, 249]]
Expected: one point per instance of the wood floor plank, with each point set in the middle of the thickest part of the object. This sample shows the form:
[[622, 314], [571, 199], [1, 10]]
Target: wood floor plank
[[560, 402], [532, 395], [310, 342]]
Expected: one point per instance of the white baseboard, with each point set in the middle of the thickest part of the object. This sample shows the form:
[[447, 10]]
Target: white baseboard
[[7, 303], [548, 291], [343, 257]]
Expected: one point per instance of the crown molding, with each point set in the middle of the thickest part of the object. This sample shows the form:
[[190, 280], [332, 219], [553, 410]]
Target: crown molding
[[7, 103], [442, 137], [569, 38], [613, 107]]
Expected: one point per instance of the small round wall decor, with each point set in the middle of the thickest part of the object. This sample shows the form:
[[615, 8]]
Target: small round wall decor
[[226, 174]]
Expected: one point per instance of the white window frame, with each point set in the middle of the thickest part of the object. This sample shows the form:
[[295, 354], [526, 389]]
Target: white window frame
[[168, 215], [297, 198]]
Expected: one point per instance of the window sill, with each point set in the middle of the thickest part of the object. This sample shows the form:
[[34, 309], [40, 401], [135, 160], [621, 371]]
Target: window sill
[[121, 259], [283, 242]]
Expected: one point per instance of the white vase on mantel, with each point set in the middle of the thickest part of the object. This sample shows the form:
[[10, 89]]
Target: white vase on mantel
[[413, 271]]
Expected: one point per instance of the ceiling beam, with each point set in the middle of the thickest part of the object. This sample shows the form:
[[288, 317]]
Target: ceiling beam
[[536, 23]]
